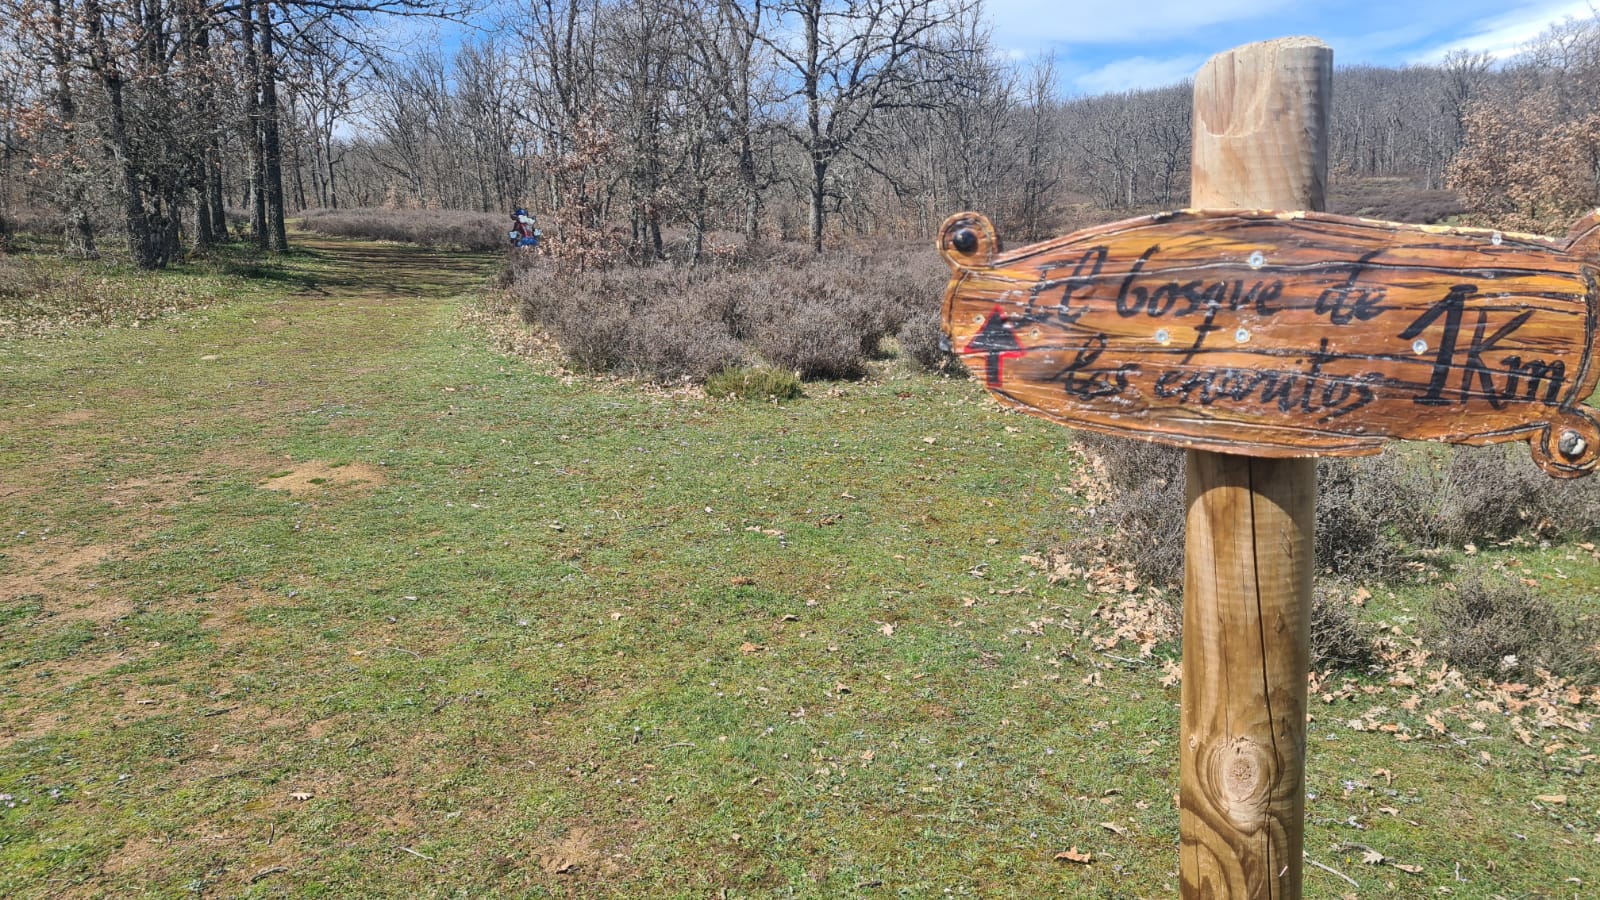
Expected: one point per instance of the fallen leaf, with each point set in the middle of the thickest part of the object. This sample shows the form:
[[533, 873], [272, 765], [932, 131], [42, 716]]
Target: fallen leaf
[[1372, 857], [748, 648], [1361, 597], [930, 440], [1414, 870], [301, 795], [1073, 856], [887, 629], [1114, 828], [1557, 799]]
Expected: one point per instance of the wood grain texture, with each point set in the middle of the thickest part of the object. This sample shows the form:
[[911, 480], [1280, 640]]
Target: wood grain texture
[[1288, 333], [1249, 525], [1246, 633], [1261, 126]]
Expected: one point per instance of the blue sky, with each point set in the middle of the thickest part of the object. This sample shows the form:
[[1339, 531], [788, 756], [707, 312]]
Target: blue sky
[[1118, 45], [1114, 45]]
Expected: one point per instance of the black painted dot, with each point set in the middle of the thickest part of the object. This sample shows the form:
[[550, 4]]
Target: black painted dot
[[964, 241]]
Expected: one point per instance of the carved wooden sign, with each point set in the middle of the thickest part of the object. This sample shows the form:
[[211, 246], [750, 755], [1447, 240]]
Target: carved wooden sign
[[1287, 334]]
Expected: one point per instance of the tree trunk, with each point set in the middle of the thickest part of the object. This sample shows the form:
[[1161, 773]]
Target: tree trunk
[[204, 233], [79, 235], [819, 175], [253, 147], [752, 192], [819, 164], [219, 210], [271, 147]]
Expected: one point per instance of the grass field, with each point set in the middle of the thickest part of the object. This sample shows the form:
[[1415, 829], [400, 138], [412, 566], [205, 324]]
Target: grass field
[[309, 592]]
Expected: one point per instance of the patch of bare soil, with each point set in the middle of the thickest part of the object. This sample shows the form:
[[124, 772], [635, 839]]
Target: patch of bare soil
[[314, 476], [43, 562], [135, 856], [71, 417], [54, 574], [581, 848]]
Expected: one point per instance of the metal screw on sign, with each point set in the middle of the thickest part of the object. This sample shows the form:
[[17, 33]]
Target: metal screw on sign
[[1359, 332]]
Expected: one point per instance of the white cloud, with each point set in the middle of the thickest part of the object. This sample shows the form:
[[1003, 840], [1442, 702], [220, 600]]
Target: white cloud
[[1503, 35], [1138, 72]]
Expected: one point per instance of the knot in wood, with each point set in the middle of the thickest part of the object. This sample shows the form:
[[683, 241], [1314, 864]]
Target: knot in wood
[[1241, 776]]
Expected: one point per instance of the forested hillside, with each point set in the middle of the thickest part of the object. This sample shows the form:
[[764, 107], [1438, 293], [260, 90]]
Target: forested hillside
[[657, 122]]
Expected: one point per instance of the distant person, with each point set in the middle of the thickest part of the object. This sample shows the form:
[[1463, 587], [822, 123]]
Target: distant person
[[524, 229]]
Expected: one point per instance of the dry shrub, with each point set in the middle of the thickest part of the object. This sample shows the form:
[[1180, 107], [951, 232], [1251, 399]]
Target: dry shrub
[[1496, 493], [1339, 640], [1504, 629], [818, 317], [455, 229], [922, 340], [650, 322], [1363, 507], [1145, 510], [32, 221], [1144, 505]]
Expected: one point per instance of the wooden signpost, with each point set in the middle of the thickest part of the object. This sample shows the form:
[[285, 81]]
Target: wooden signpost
[[1258, 333]]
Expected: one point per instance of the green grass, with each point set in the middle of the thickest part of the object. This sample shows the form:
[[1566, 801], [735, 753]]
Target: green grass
[[531, 637]]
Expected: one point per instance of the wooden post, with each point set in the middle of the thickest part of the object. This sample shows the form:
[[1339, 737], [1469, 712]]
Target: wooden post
[[1260, 141], [1258, 331]]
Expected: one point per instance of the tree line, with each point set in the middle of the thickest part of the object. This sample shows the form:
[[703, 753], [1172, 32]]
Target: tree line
[[648, 122]]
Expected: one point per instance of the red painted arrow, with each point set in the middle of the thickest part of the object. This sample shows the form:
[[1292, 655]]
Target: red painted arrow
[[998, 340]]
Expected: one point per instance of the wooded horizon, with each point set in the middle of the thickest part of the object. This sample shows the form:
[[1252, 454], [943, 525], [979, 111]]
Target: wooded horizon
[[156, 121]]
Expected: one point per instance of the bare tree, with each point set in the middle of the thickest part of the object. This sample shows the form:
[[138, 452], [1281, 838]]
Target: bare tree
[[850, 62]]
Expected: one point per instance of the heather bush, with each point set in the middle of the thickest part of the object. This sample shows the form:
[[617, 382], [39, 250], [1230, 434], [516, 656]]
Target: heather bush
[[1495, 493], [1506, 630], [455, 229], [1364, 505], [1372, 511], [922, 340], [820, 318], [648, 322], [32, 221], [1339, 640], [1145, 508]]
